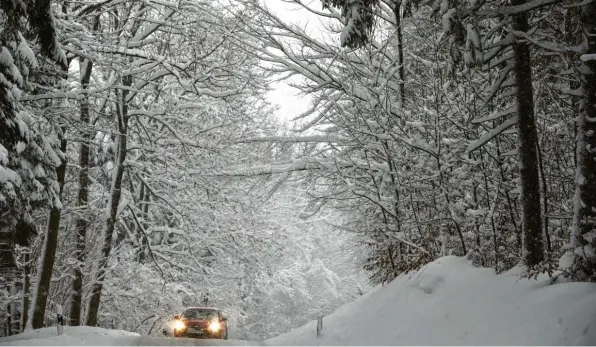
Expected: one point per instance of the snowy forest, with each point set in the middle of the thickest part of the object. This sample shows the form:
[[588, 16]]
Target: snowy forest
[[143, 168]]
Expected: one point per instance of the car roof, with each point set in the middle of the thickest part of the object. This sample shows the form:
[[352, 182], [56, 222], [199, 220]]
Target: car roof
[[202, 308]]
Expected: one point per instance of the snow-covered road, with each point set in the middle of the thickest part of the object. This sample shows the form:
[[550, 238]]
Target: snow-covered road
[[170, 341], [89, 336], [130, 341]]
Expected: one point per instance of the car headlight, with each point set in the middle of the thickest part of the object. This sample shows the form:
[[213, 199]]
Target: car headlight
[[214, 326], [179, 325]]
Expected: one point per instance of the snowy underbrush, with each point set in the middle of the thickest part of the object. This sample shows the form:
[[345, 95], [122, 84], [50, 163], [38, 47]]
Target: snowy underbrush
[[451, 302]]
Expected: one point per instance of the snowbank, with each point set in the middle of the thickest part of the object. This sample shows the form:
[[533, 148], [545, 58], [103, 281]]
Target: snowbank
[[451, 302], [72, 336], [448, 302]]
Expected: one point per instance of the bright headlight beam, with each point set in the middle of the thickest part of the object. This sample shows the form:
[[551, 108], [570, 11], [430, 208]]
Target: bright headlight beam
[[214, 326], [179, 325]]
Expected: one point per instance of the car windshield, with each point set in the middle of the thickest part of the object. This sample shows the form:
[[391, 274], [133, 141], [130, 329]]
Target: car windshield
[[199, 313]]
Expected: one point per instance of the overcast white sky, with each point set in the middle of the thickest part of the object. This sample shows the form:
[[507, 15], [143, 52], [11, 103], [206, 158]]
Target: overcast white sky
[[290, 104]]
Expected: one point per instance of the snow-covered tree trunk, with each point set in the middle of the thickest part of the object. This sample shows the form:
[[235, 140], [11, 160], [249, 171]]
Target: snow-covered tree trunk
[[26, 289], [82, 199], [145, 196], [583, 235], [532, 243], [50, 245], [112, 209]]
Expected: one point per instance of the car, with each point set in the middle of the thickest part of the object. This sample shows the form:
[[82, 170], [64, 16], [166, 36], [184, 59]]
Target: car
[[201, 323]]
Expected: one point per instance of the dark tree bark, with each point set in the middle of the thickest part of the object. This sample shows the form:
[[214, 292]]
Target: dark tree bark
[[113, 207], [145, 196], [26, 289], [400, 52], [544, 199], [49, 252], [532, 243], [82, 200], [14, 326], [583, 240]]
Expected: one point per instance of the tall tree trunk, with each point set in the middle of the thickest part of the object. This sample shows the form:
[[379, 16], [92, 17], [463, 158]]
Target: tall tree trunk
[[400, 52], [532, 243], [14, 325], [82, 199], [49, 250], [400, 62], [144, 196], [544, 198], [396, 195], [113, 206], [10, 311], [26, 289], [8, 320], [583, 235]]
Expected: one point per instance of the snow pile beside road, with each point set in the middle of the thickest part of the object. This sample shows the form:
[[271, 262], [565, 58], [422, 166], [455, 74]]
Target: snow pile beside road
[[72, 336], [451, 302]]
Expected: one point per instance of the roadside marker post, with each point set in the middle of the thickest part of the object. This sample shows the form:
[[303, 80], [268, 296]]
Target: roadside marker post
[[319, 325]]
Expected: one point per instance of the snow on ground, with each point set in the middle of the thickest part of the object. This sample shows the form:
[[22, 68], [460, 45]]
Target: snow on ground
[[451, 302], [447, 302], [90, 336], [72, 336]]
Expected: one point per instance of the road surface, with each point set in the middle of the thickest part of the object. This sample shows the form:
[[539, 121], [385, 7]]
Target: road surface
[[171, 341]]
